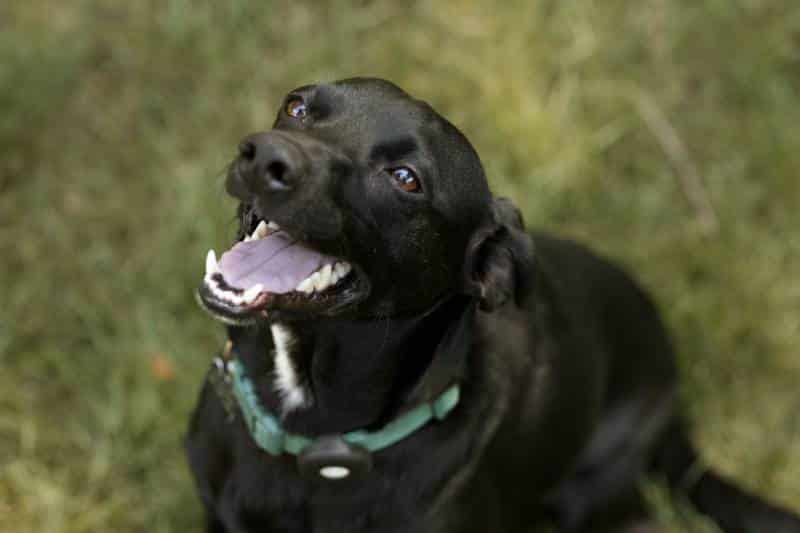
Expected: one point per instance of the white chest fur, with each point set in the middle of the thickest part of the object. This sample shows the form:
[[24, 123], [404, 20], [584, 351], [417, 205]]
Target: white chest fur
[[288, 383]]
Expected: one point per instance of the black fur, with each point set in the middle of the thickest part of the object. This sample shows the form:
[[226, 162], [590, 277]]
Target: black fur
[[568, 376]]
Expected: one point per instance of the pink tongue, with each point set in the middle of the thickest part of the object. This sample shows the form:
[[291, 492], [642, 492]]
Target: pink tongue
[[277, 261]]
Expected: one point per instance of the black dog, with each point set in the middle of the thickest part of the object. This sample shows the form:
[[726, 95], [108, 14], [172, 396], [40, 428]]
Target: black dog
[[405, 357]]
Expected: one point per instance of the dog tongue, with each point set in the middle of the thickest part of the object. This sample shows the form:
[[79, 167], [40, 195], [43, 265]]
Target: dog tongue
[[277, 261]]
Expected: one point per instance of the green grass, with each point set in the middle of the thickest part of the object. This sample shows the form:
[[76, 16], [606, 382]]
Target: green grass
[[116, 120]]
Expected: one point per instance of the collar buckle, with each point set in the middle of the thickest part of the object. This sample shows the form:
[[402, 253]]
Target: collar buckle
[[331, 458]]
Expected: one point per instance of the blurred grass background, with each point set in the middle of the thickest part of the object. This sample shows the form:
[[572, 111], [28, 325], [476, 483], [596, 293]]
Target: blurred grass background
[[117, 119]]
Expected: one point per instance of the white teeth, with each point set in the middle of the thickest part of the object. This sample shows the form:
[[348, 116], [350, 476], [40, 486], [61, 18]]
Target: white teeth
[[246, 297], [230, 296], [323, 278], [211, 263], [261, 230], [316, 281], [251, 293], [342, 269], [306, 286]]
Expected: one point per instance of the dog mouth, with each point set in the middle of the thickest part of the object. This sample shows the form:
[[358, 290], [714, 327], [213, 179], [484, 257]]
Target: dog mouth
[[269, 272]]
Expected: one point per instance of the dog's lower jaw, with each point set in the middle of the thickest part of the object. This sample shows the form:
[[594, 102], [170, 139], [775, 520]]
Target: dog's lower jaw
[[288, 384]]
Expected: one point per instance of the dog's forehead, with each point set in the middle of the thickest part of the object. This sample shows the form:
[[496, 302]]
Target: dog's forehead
[[373, 94], [371, 105]]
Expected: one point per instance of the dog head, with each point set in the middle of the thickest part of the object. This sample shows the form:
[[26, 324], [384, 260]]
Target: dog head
[[361, 200]]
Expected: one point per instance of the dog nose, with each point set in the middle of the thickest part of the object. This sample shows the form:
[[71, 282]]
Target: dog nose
[[269, 162]]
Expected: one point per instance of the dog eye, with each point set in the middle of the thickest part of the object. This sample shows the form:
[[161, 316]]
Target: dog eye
[[296, 108], [406, 179]]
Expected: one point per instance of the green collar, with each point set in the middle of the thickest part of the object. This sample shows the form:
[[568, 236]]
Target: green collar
[[349, 455], [267, 432]]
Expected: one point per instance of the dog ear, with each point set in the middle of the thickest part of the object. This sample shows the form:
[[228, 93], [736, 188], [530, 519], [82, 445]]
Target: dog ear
[[500, 259]]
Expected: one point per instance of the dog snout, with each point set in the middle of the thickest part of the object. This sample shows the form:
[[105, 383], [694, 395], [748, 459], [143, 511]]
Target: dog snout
[[267, 163]]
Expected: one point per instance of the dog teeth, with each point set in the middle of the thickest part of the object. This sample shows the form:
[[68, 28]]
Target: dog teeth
[[251, 293], [306, 286], [261, 230], [342, 269], [324, 278], [315, 281], [334, 279], [230, 296], [211, 263], [246, 297]]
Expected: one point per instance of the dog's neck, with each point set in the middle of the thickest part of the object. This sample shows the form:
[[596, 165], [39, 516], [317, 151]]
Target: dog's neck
[[335, 375]]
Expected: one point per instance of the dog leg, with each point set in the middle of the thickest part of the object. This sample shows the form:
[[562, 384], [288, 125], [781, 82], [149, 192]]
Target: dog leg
[[733, 509], [207, 455], [603, 489]]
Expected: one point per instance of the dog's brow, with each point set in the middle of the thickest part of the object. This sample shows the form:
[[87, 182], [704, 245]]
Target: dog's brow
[[393, 149]]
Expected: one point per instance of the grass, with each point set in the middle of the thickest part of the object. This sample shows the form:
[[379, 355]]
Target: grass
[[116, 120]]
